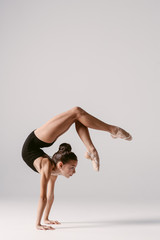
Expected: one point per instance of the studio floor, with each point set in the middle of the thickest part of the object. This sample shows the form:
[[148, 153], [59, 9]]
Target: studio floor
[[82, 219]]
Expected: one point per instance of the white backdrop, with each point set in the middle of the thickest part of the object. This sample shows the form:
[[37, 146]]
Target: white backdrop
[[100, 55]]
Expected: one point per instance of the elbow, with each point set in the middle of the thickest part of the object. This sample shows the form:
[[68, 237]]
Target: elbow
[[50, 198], [43, 198]]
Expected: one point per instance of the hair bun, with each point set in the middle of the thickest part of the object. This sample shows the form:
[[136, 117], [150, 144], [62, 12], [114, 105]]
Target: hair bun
[[65, 147]]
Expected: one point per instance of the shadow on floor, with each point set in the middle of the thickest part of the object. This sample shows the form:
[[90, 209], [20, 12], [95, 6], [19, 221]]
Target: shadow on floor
[[108, 223]]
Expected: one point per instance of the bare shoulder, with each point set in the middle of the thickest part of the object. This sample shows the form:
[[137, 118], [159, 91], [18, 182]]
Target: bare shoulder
[[46, 167]]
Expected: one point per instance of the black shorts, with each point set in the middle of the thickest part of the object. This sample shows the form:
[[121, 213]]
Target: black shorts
[[32, 149]]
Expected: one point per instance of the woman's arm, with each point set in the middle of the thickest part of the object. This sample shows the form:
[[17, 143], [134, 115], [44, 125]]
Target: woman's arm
[[45, 175], [50, 199]]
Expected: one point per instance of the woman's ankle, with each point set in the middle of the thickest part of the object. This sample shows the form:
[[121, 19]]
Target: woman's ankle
[[113, 129], [91, 149]]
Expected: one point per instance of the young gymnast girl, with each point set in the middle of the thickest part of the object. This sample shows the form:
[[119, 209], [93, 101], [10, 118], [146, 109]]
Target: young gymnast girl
[[64, 161]]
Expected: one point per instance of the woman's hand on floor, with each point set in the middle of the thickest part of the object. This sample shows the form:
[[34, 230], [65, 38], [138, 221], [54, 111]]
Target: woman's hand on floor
[[51, 222], [44, 227]]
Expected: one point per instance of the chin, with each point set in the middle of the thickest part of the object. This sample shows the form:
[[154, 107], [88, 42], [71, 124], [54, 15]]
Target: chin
[[68, 176]]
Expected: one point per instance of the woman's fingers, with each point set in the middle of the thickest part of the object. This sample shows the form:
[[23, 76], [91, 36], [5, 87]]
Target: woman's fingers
[[51, 222], [56, 222], [50, 228], [41, 228], [44, 227]]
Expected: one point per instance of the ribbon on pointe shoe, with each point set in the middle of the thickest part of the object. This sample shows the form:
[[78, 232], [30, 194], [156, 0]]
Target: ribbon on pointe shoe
[[94, 160]]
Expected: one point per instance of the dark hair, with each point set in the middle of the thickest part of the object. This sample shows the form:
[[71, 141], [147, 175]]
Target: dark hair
[[64, 154]]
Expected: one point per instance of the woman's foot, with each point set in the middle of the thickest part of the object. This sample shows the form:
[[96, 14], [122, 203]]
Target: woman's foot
[[93, 155], [120, 133]]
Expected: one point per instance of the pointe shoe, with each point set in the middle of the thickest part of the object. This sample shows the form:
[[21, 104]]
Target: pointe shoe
[[119, 134], [94, 159]]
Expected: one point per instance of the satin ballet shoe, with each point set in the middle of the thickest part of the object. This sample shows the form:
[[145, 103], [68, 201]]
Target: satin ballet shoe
[[94, 159], [119, 134]]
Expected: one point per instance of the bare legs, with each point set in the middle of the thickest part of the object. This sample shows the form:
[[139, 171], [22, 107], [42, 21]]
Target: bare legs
[[56, 126], [83, 133], [92, 153], [90, 121], [59, 124]]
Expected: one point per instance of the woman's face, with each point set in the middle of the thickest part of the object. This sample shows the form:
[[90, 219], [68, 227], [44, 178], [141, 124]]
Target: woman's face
[[68, 169]]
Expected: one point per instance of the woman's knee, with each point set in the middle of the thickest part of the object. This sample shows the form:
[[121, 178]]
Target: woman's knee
[[78, 111]]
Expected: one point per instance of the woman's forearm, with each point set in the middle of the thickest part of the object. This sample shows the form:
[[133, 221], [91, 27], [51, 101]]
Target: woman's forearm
[[48, 207], [41, 206]]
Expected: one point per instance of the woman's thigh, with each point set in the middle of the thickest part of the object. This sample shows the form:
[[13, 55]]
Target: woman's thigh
[[56, 126]]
